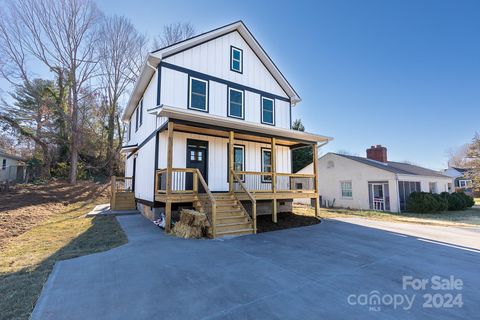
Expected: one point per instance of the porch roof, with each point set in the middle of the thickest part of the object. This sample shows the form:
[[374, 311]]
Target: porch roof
[[216, 122]]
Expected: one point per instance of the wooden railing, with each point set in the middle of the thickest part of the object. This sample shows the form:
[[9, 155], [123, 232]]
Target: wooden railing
[[243, 189], [183, 180], [207, 200], [285, 182], [121, 184], [295, 182]]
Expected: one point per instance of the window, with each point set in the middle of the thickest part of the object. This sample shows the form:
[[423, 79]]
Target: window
[[236, 59], [238, 160], [268, 111], [198, 94], [346, 187], [129, 129], [136, 119], [235, 103], [330, 164], [266, 164], [4, 164], [140, 113], [464, 183], [404, 190], [432, 187]]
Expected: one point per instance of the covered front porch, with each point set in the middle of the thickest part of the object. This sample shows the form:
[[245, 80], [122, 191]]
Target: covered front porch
[[235, 193]]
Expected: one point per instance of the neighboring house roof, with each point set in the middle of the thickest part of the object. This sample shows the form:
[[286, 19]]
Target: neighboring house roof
[[396, 167], [155, 57], [4, 154], [461, 170]]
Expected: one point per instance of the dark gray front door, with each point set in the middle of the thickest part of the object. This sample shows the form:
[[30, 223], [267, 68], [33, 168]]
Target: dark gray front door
[[197, 157]]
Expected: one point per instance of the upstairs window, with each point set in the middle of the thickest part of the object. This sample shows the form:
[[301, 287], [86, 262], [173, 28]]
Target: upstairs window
[[136, 119], [268, 111], [4, 164], [236, 59], [140, 113], [198, 95], [235, 103]]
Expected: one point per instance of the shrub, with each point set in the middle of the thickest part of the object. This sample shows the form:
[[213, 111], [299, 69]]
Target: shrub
[[442, 202], [422, 202], [469, 201], [456, 202]]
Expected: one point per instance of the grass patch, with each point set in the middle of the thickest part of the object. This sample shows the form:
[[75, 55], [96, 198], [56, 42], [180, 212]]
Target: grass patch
[[27, 259], [467, 217]]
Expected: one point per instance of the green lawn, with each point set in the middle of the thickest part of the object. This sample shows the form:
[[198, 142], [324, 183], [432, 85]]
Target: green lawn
[[27, 260], [469, 217]]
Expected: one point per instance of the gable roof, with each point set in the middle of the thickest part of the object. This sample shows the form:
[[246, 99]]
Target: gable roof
[[396, 167], [461, 170], [155, 57], [4, 154]]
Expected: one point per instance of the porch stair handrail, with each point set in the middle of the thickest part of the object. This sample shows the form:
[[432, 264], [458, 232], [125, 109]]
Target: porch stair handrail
[[251, 198], [211, 198]]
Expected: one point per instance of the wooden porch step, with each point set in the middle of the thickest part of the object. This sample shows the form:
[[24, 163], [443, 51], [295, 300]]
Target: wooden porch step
[[233, 226], [231, 219], [238, 232], [228, 210]]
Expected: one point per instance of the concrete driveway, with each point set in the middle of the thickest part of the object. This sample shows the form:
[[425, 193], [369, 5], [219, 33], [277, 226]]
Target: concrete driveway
[[332, 270]]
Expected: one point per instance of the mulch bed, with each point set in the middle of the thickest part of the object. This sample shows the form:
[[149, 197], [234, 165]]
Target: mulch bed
[[285, 220]]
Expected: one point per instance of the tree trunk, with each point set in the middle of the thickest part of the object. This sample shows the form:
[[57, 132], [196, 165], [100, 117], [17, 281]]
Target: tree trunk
[[111, 131], [75, 136]]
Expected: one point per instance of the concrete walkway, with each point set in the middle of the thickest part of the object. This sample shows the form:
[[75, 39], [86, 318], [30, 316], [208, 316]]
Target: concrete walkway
[[321, 271], [104, 210]]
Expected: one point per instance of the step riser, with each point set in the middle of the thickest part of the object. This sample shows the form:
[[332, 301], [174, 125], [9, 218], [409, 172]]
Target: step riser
[[234, 227], [238, 233], [231, 220]]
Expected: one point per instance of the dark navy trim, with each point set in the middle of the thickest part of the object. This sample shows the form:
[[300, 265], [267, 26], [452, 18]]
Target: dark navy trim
[[235, 85], [261, 164], [159, 83], [206, 93], [273, 110], [231, 59], [243, 103], [156, 108], [290, 115], [144, 142], [155, 166], [129, 146]]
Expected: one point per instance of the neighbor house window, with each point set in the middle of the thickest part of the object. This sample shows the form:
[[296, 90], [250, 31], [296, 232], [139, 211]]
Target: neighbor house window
[[4, 164], [198, 94], [136, 119], [464, 183], [235, 103], [346, 187], [266, 164], [432, 187], [236, 59], [268, 111]]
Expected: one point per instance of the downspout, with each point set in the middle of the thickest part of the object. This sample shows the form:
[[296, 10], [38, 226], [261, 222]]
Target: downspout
[[397, 193]]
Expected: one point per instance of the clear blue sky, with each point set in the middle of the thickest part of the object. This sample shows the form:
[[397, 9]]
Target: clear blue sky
[[405, 74]]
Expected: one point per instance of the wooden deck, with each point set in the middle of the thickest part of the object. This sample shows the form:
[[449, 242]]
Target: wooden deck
[[191, 197]]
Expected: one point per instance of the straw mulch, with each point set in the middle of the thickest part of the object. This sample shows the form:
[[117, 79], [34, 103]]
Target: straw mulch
[[192, 225]]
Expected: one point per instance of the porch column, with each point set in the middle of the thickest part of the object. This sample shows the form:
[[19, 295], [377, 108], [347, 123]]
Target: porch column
[[230, 161], [315, 182], [274, 178], [168, 206]]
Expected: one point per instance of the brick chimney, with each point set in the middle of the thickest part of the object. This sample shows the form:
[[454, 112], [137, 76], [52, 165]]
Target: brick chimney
[[377, 153]]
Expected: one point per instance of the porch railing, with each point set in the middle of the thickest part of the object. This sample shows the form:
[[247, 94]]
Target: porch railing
[[122, 184], [243, 189], [285, 182]]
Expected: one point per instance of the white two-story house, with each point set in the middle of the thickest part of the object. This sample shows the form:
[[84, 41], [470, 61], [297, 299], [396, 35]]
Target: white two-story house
[[209, 125]]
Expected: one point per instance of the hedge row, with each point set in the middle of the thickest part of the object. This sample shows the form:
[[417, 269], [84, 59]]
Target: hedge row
[[424, 202]]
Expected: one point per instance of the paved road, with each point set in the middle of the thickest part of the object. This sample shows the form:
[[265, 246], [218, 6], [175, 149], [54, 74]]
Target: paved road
[[331, 270]]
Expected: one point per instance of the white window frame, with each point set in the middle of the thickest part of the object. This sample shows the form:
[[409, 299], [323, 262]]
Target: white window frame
[[342, 189], [262, 165], [240, 61], [243, 104], [273, 111], [237, 146], [190, 94]]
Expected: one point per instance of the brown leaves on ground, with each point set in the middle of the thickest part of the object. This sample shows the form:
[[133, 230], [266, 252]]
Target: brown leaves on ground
[[25, 206]]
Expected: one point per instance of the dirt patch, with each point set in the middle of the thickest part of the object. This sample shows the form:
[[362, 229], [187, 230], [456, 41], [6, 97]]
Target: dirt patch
[[25, 206], [285, 220]]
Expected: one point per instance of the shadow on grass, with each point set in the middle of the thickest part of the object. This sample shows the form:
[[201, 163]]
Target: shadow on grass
[[20, 290]]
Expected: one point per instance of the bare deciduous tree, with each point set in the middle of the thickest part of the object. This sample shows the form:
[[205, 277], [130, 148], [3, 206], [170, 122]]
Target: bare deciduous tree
[[122, 50], [63, 35], [173, 33]]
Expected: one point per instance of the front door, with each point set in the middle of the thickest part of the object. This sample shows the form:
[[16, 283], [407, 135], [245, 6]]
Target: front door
[[197, 157], [378, 197]]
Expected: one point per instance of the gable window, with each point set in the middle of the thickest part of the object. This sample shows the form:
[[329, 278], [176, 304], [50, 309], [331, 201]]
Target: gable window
[[346, 187], [136, 119], [268, 111], [4, 164], [140, 113], [235, 103], [198, 94], [236, 59], [266, 164]]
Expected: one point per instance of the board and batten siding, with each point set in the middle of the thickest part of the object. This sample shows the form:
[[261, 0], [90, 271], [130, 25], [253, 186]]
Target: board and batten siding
[[217, 156]]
